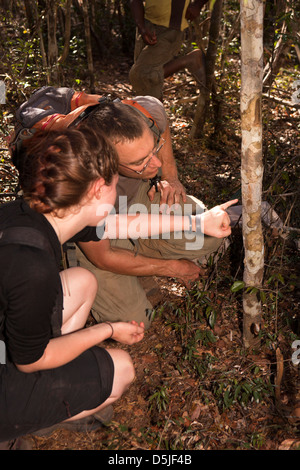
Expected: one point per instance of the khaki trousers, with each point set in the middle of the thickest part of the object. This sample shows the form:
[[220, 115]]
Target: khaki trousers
[[121, 297], [147, 73]]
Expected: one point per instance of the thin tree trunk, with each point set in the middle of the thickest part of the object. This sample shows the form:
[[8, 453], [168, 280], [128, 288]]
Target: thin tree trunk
[[65, 52], [38, 27], [52, 43], [234, 31], [284, 44], [85, 9], [252, 165], [205, 91], [29, 14]]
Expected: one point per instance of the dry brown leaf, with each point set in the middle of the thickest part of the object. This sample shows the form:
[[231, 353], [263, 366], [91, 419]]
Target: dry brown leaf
[[289, 444]]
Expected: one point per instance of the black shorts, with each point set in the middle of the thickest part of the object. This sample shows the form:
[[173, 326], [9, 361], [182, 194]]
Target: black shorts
[[29, 402]]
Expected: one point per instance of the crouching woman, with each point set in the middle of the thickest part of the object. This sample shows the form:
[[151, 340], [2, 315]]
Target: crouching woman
[[54, 370]]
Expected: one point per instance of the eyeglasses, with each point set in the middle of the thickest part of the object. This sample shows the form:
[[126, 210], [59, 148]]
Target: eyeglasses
[[154, 153]]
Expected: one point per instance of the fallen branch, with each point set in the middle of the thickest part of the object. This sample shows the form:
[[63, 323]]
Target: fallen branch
[[281, 101], [186, 99]]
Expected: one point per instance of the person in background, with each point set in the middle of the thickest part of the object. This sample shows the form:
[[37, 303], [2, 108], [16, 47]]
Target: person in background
[[159, 36]]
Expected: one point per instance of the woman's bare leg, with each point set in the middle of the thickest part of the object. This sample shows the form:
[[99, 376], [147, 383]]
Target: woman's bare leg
[[80, 287]]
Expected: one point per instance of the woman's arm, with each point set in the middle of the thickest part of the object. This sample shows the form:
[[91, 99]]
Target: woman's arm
[[64, 349], [214, 222]]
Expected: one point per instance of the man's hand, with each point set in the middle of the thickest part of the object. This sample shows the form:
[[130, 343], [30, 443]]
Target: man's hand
[[170, 192], [186, 271], [137, 9], [216, 221]]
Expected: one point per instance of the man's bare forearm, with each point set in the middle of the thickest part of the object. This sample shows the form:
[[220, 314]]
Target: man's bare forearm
[[126, 262], [169, 168]]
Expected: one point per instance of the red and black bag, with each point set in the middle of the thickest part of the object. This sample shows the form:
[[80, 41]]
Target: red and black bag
[[51, 108]]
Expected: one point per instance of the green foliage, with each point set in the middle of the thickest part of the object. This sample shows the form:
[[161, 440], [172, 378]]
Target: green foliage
[[257, 440], [159, 399], [237, 285], [196, 306], [232, 391]]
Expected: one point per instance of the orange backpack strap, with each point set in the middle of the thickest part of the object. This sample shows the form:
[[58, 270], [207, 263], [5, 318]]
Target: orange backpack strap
[[80, 98]]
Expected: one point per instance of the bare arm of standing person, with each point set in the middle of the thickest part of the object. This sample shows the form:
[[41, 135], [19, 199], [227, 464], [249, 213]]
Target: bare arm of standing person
[[194, 8], [137, 9]]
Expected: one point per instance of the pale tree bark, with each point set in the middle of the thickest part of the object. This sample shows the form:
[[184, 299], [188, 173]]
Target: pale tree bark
[[252, 165]]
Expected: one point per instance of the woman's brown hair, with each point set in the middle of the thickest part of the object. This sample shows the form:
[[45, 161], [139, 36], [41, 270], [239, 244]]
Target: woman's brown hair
[[59, 167]]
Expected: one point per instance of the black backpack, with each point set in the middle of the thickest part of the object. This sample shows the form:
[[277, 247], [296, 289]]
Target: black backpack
[[32, 237]]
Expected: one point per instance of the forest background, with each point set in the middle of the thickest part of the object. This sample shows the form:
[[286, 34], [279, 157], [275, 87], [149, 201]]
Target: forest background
[[197, 386]]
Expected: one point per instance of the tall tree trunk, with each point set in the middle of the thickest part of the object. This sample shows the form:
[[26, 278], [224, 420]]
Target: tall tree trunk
[[52, 43], [252, 165], [205, 91], [284, 44], [29, 14], [38, 20], [85, 9], [67, 37]]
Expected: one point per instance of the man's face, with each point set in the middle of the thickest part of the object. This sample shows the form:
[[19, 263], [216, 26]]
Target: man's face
[[137, 158]]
